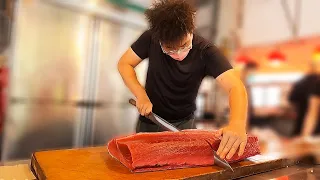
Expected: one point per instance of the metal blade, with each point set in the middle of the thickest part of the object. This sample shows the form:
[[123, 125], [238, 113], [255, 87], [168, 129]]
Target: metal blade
[[158, 120], [165, 123], [221, 162], [218, 161]]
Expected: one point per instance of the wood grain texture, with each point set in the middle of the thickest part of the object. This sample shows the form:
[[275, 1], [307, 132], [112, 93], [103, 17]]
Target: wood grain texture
[[19, 171], [95, 163]]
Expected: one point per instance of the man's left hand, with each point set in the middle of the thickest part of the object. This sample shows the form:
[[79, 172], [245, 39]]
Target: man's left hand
[[233, 138]]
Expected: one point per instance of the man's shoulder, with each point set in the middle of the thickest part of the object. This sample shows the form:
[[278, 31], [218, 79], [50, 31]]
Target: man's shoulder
[[308, 79], [203, 44], [318, 81], [148, 32], [316, 87]]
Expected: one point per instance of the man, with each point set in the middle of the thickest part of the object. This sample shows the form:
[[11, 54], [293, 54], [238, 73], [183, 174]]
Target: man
[[303, 96], [312, 119], [178, 61]]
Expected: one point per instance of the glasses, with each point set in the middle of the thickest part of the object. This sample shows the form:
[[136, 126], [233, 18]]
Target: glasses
[[184, 49]]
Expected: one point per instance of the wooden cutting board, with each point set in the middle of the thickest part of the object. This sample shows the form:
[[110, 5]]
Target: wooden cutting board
[[95, 163]]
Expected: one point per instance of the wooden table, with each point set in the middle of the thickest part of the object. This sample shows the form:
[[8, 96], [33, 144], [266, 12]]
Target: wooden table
[[95, 163]]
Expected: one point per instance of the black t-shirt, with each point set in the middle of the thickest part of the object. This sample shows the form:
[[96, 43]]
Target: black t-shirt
[[171, 85], [316, 92], [300, 95], [316, 88]]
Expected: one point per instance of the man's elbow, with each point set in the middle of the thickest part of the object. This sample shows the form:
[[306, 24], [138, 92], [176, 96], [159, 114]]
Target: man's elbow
[[121, 65]]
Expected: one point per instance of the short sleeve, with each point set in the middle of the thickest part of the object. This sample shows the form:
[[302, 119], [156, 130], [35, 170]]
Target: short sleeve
[[142, 44], [297, 92], [216, 62], [316, 88]]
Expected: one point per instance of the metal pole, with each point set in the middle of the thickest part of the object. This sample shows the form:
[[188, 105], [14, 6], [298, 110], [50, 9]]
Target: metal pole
[[293, 22]]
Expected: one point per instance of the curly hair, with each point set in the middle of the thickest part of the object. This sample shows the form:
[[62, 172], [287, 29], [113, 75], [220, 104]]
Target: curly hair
[[171, 20]]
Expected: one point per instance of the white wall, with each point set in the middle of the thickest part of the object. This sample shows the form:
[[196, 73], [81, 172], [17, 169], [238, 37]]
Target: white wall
[[103, 10], [265, 22], [204, 15], [226, 21]]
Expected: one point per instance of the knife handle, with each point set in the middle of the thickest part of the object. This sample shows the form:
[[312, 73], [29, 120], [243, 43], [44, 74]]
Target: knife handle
[[133, 102], [154, 120]]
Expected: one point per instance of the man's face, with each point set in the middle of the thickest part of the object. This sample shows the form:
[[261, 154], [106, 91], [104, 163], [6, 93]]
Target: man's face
[[181, 51]]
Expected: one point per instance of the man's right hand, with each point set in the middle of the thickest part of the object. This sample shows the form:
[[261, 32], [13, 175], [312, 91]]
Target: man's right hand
[[126, 65], [144, 105]]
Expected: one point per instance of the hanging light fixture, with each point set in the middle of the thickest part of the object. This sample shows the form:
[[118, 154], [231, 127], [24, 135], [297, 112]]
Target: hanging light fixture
[[316, 54], [276, 58]]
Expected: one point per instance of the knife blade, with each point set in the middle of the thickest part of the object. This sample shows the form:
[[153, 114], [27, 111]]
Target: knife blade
[[158, 120], [218, 161]]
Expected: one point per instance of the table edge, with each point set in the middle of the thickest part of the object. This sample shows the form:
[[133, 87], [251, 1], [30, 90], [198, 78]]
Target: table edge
[[36, 169]]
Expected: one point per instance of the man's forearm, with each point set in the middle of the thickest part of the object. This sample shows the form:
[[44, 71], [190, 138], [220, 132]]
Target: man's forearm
[[238, 102], [309, 124], [129, 77], [308, 127], [311, 117]]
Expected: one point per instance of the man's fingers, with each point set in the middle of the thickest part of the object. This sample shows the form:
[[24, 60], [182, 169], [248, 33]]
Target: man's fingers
[[219, 133], [149, 109], [141, 110], [241, 149], [138, 107], [223, 143], [144, 110], [228, 146], [234, 148]]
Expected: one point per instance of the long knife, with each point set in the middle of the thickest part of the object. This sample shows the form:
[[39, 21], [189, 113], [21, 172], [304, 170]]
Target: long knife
[[158, 120], [168, 126]]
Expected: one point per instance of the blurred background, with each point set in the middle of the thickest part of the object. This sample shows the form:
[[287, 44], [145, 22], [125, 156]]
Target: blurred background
[[60, 87]]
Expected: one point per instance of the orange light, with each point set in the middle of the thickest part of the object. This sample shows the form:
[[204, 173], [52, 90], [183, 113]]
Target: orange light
[[316, 54]]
